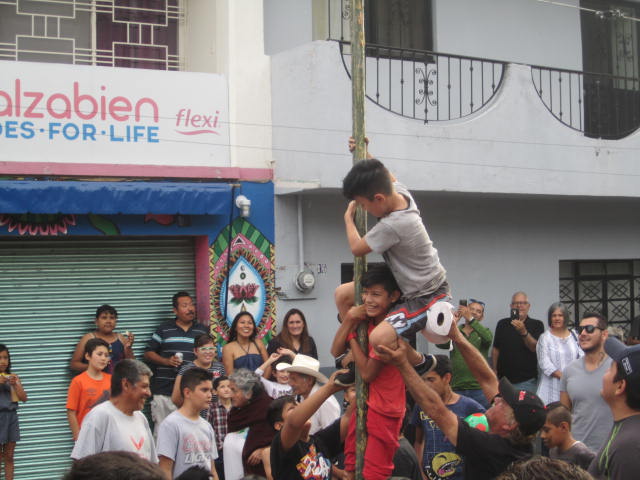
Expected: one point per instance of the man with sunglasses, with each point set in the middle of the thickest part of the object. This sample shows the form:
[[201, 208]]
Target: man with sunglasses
[[581, 382]]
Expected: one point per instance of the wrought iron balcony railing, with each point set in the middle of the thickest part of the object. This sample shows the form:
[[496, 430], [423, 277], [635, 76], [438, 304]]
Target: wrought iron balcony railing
[[599, 105], [427, 86]]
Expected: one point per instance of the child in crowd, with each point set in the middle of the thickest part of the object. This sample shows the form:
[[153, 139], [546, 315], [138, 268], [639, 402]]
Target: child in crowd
[[90, 387], [11, 391], [120, 346], [556, 435], [281, 386], [184, 438], [205, 357], [386, 402], [296, 455], [218, 417], [401, 238]]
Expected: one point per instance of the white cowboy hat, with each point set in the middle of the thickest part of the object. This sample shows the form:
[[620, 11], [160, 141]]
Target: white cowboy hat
[[305, 365]]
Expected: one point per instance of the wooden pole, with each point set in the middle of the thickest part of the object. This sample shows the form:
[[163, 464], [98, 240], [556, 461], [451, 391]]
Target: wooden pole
[[359, 265]]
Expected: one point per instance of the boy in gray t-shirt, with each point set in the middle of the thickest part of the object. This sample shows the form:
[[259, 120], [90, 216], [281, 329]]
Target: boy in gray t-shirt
[[402, 239], [184, 438], [556, 435]]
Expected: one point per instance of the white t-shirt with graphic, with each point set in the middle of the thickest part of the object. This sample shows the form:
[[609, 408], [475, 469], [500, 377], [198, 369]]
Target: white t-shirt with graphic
[[108, 429], [187, 442]]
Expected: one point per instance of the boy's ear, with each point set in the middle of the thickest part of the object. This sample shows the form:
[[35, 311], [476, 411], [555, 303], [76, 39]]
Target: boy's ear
[[395, 296], [278, 425], [379, 197], [565, 426]]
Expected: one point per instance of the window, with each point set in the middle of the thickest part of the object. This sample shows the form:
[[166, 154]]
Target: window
[[610, 46], [610, 287], [399, 23], [114, 33]]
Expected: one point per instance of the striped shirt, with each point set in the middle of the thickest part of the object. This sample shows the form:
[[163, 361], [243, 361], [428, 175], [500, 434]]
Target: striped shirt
[[167, 340]]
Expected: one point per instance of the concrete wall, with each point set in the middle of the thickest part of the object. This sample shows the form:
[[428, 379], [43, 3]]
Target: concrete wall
[[491, 246]]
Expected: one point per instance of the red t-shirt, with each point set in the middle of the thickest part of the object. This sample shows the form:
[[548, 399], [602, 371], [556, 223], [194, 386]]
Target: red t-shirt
[[85, 392]]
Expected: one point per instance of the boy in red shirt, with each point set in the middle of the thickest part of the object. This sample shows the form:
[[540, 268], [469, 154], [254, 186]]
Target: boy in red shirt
[[386, 402], [91, 387]]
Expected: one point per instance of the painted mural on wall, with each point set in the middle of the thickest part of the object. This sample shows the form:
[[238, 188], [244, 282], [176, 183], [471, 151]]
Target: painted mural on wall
[[30, 224], [248, 256]]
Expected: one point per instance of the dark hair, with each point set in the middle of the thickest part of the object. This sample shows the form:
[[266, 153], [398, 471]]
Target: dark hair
[[233, 334], [114, 466], [3, 348], [194, 377], [274, 413], [558, 306], [632, 389], [130, 370], [443, 365], [216, 381], [602, 322], [367, 178], [106, 309], [203, 339], [284, 337], [180, 294], [543, 468], [94, 343], [379, 274], [197, 472], [557, 413]]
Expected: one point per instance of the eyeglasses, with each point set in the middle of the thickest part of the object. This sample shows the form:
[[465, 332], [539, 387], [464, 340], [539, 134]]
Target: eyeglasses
[[588, 328], [207, 349], [473, 300], [519, 303]]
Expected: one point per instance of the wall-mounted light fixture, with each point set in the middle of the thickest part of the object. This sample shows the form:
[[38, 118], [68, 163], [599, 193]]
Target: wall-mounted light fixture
[[244, 204]]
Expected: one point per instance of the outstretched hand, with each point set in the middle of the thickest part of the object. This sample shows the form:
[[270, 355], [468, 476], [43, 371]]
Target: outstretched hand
[[332, 379], [396, 356]]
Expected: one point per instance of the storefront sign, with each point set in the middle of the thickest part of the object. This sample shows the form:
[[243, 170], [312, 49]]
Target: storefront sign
[[83, 114]]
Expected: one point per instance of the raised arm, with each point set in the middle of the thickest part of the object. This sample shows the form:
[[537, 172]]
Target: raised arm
[[349, 323], [357, 244], [76, 359]]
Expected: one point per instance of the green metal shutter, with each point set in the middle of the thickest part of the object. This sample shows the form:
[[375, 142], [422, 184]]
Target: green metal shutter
[[49, 291]]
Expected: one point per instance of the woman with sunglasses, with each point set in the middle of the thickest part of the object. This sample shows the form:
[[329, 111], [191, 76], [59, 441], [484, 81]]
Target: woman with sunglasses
[[206, 357], [556, 348]]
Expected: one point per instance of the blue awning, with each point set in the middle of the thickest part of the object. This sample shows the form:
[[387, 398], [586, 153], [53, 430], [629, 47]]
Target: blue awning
[[114, 197]]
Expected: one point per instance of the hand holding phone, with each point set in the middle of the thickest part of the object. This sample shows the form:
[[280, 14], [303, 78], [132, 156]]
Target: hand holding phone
[[515, 314]]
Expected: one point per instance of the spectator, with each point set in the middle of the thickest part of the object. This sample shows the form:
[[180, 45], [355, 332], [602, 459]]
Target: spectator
[[91, 387], [11, 391], [304, 375], [278, 385], [480, 337], [514, 345], [514, 419], [205, 353], [219, 417], [438, 457], [556, 435], [185, 439], [556, 348], [294, 336], [619, 458], [120, 346], [114, 466], [581, 383], [295, 453], [405, 461], [170, 345], [118, 423], [242, 350], [250, 405], [543, 468]]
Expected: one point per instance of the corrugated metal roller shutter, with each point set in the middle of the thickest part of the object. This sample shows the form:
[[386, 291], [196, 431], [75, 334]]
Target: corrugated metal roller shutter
[[49, 290]]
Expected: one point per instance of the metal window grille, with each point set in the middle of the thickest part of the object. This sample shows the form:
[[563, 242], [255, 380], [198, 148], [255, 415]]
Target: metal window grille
[[113, 33]]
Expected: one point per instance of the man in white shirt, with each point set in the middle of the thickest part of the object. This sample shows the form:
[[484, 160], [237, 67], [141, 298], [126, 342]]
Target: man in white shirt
[[118, 424]]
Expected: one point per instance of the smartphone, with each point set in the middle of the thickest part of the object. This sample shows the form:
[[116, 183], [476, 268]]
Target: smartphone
[[463, 302], [515, 314]]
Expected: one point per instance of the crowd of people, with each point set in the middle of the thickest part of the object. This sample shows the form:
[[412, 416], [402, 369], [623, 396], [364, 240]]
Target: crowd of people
[[561, 403]]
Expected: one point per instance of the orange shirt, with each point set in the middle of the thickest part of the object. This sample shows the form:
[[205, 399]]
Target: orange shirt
[[85, 392]]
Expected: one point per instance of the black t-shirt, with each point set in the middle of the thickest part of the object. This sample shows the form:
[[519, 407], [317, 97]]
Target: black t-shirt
[[405, 462], [618, 457], [515, 360], [307, 460], [486, 455]]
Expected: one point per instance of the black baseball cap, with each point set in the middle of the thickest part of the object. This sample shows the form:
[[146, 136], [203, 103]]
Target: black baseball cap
[[528, 409], [628, 357]]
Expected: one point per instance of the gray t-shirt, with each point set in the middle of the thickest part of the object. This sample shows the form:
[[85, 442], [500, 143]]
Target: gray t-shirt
[[403, 241], [107, 429], [578, 454], [592, 417], [186, 442], [618, 459]]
